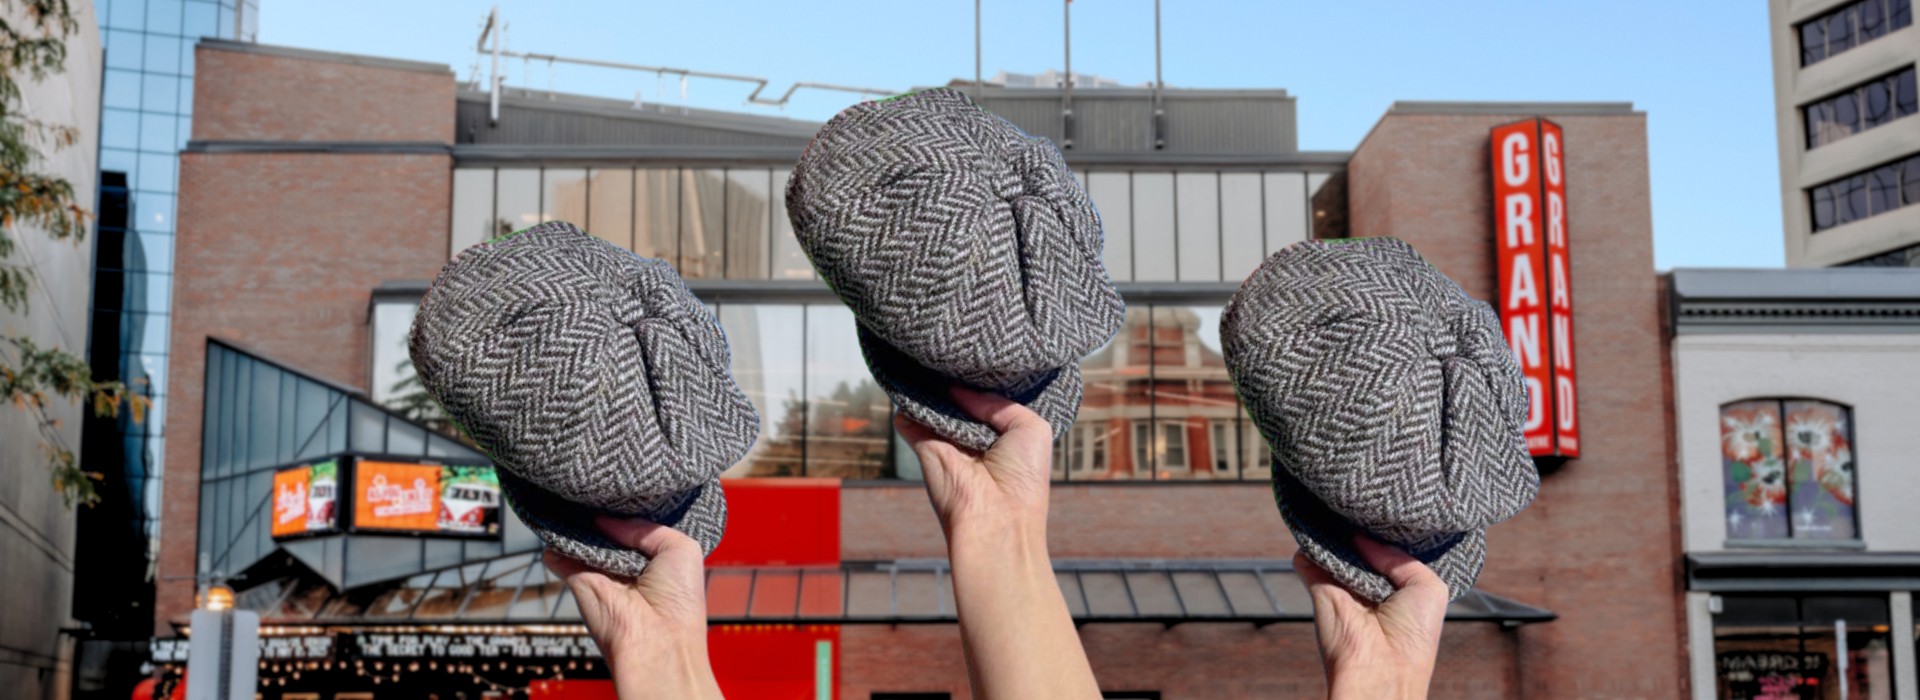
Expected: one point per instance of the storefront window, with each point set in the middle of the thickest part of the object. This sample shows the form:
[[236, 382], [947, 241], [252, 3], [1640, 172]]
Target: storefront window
[[1198, 251], [749, 206], [703, 223], [1803, 647], [610, 206], [849, 419], [564, 196], [1789, 471]]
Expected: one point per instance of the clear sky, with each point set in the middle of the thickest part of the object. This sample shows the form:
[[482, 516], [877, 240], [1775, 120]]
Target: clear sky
[[1700, 69]]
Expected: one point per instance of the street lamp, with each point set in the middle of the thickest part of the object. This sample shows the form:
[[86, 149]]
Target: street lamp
[[216, 597]]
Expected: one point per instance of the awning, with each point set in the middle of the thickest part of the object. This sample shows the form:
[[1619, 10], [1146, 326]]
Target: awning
[[517, 590], [1803, 571]]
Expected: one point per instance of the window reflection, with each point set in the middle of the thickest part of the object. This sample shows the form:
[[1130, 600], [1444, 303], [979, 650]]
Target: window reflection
[[1242, 242], [516, 197], [656, 214], [610, 206], [1193, 398], [789, 261], [1112, 195], [849, 418], [1153, 222], [1103, 443], [1198, 250], [703, 230], [472, 208], [1796, 646], [749, 203], [769, 369], [564, 196]]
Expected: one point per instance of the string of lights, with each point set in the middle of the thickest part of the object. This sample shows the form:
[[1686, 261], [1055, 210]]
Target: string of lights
[[380, 672]]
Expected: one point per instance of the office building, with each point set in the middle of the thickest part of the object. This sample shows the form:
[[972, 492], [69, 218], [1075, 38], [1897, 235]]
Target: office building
[[1843, 89], [309, 232]]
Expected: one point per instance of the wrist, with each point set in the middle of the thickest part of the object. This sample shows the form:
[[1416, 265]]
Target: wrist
[[681, 670], [1370, 683]]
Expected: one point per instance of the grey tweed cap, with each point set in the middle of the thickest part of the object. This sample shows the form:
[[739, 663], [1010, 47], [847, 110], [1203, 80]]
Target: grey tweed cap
[[966, 250], [595, 380], [1391, 402]]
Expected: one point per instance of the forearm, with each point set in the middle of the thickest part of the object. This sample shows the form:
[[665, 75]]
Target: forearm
[[681, 671], [1018, 634]]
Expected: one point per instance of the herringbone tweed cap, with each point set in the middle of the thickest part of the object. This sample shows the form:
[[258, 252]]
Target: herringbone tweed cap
[[595, 380], [1391, 402], [966, 250]]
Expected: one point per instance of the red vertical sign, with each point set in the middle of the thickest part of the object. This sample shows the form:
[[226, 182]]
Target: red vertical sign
[[1535, 298]]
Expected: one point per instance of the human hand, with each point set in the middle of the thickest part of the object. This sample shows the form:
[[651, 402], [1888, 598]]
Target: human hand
[[651, 630], [1377, 651], [1004, 486]]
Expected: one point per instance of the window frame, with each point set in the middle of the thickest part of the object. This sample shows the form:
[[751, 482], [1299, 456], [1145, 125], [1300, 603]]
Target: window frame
[[1780, 403], [1890, 21]]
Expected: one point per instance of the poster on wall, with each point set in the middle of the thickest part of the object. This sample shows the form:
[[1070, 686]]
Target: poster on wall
[[426, 499], [304, 499], [1772, 675]]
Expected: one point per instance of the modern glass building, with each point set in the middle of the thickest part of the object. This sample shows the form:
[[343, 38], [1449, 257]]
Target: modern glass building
[[145, 118]]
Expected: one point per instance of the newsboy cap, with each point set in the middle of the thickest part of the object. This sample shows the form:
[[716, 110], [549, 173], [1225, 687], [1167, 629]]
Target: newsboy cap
[[596, 382], [1391, 402], [966, 250]]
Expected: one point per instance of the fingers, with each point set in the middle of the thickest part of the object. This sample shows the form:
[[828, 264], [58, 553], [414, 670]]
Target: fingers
[[932, 449], [1401, 568], [1325, 591], [1007, 416], [670, 554]]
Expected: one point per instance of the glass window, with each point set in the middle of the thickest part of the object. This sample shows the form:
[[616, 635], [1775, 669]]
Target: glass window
[[563, 196], [1242, 213], [1198, 251], [1143, 447], [1882, 100], [1823, 217], [1840, 31], [126, 14], [1171, 451], [1872, 19], [157, 132], [1114, 393], [199, 19], [1112, 198], [119, 129], [1255, 457], [392, 371], [610, 206], [1789, 471], [159, 169], [1153, 221], [762, 339], [1910, 181], [1803, 646], [789, 260], [749, 201], [163, 54], [1190, 386], [1286, 195], [120, 88], [1899, 14], [849, 418], [1883, 189], [163, 16], [125, 49], [186, 69], [702, 234], [369, 429], [656, 215], [472, 218], [1850, 199], [1813, 42], [149, 251], [516, 195], [120, 160], [160, 93], [153, 211]]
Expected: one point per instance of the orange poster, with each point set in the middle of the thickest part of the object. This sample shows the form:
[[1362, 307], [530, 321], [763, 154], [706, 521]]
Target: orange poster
[[290, 501], [392, 496]]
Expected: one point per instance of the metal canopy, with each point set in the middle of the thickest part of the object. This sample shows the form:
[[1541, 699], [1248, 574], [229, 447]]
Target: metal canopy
[[518, 590], [1803, 571]]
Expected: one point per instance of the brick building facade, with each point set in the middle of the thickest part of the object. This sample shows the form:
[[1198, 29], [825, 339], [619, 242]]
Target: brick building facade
[[321, 191]]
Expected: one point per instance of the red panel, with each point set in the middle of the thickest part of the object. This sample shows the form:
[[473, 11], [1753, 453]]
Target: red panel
[[820, 594], [776, 662], [727, 593], [571, 690], [775, 594], [1566, 412], [1520, 254], [780, 522]]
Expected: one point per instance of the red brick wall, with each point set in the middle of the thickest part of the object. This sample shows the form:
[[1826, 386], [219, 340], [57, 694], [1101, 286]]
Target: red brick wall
[[1598, 547], [279, 252], [1187, 662], [260, 97]]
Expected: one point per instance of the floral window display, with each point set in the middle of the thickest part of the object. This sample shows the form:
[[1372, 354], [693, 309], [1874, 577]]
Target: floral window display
[[1789, 471]]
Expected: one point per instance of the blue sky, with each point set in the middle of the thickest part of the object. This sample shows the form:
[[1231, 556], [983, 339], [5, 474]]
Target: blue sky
[[1700, 69]]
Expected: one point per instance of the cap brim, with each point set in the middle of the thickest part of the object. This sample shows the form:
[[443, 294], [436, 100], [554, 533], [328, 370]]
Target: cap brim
[[1327, 539], [568, 528], [925, 395]]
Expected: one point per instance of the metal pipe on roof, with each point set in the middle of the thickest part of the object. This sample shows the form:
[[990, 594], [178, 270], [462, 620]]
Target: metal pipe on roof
[[1066, 99], [1159, 108]]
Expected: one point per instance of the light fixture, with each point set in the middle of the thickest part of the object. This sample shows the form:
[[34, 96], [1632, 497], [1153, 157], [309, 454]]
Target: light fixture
[[216, 597]]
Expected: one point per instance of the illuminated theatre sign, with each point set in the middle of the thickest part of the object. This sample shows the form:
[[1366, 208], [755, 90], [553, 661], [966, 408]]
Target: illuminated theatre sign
[[385, 497], [1536, 296]]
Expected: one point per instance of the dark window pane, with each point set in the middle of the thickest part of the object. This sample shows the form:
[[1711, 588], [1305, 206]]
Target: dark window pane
[[1876, 100], [1839, 32], [111, 253], [1820, 470], [1883, 189], [1756, 480], [1851, 199], [109, 290], [1899, 14], [1859, 611], [1872, 19], [1910, 181], [1846, 113], [1813, 42], [1822, 207], [1903, 94]]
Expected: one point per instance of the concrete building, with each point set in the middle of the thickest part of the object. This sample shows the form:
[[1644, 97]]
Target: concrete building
[[1843, 85], [288, 355], [37, 550], [1794, 401]]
